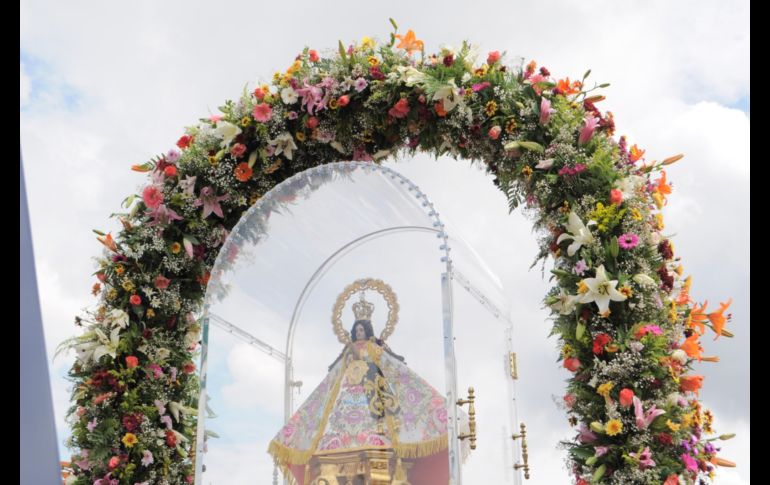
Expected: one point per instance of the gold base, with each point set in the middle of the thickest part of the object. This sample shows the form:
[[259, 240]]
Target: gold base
[[359, 467]]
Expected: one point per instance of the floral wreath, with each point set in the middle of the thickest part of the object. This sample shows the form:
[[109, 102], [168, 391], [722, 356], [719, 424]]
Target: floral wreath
[[628, 329]]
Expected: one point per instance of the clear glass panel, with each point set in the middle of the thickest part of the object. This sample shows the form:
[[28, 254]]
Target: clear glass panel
[[271, 340]]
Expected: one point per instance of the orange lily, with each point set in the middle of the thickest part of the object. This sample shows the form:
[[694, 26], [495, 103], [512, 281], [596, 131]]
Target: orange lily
[[108, 242], [684, 294], [693, 349], [564, 86], [663, 188], [409, 42], [691, 383], [698, 318], [718, 319], [635, 154]]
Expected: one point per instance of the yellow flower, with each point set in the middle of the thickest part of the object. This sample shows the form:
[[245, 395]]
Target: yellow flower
[[636, 214], [673, 314], [510, 125], [688, 419], [119, 269], [527, 170], [567, 350], [673, 426], [627, 291], [672, 373], [613, 427], [245, 121], [333, 103], [112, 294], [659, 221], [276, 76], [176, 247], [128, 285], [150, 313], [481, 71], [658, 200], [367, 43], [300, 136], [373, 61], [491, 108], [130, 440], [604, 389]]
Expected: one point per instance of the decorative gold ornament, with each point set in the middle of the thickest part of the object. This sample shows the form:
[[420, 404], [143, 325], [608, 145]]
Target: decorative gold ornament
[[363, 309]]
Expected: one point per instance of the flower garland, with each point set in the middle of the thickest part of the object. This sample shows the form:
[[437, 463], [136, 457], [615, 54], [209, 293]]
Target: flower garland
[[628, 330]]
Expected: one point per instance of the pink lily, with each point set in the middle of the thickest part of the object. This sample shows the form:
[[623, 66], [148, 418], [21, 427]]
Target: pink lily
[[586, 435], [645, 458], [644, 419], [588, 129], [162, 215], [210, 202], [545, 110]]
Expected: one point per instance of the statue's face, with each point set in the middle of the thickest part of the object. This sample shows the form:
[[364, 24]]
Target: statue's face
[[360, 332]]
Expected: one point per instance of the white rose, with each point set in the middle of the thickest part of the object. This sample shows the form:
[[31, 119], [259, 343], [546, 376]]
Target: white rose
[[679, 355]]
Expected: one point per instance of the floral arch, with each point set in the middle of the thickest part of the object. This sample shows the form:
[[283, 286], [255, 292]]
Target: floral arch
[[628, 330]]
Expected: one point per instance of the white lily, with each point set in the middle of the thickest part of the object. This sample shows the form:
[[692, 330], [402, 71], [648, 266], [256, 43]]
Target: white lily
[[601, 290], [566, 303], [410, 76], [193, 335], [643, 280], [95, 344], [629, 185], [577, 232], [116, 318], [175, 408], [226, 131], [447, 94], [283, 143]]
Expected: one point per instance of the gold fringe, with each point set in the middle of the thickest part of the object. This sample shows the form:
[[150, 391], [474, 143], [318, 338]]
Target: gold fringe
[[301, 457], [285, 455], [422, 448]]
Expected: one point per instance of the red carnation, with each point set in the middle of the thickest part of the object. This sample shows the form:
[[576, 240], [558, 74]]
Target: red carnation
[[184, 141], [600, 341], [170, 438]]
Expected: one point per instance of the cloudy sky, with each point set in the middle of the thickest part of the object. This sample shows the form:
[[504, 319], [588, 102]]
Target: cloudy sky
[[104, 86]]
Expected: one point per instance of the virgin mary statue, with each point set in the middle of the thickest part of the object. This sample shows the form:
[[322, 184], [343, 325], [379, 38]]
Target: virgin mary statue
[[371, 420]]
